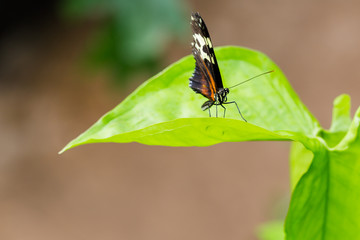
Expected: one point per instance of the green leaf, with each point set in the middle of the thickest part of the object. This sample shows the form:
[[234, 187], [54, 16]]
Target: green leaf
[[340, 123], [325, 201], [300, 161], [341, 114], [165, 111]]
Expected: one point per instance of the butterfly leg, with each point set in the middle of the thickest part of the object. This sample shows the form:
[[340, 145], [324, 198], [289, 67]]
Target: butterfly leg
[[209, 112], [223, 108], [237, 109]]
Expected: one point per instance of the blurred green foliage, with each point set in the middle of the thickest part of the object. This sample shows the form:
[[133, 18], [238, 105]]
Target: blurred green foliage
[[271, 231], [134, 33]]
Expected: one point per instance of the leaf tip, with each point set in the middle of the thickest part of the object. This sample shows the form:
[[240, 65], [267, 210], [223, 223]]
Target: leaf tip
[[341, 113], [342, 99], [67, 147], [63, 150]]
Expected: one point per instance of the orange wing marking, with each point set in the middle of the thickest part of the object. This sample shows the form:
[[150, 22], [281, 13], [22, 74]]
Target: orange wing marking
[[212, 82]]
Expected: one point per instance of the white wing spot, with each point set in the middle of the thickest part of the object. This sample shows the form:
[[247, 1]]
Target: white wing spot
[[208, 41], [200, 40]]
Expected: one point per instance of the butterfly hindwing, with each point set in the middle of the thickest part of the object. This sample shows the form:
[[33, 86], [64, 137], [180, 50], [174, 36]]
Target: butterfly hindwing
[[200, 84], [206, 78]]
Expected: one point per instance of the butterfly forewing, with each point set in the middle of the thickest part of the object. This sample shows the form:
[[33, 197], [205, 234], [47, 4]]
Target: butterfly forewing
[[206, 78]]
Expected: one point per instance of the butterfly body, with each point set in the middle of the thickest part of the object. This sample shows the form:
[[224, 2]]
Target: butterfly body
[[206, 78], [220, 98]]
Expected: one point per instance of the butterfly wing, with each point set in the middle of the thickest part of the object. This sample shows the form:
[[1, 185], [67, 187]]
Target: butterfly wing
[[206, 78]]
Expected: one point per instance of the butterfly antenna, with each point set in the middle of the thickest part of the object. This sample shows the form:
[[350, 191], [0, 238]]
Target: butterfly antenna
[[252, 78]]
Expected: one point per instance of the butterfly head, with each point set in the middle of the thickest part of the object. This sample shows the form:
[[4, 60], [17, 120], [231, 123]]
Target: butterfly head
[[221, 95]]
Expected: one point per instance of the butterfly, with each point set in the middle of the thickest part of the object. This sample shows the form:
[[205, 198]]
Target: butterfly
[[206, 78]]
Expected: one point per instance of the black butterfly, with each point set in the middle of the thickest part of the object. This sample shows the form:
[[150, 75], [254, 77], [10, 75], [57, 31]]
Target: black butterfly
[[206, 78]]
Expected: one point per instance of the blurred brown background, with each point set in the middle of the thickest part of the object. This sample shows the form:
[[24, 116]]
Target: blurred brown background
[[138, 192]]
